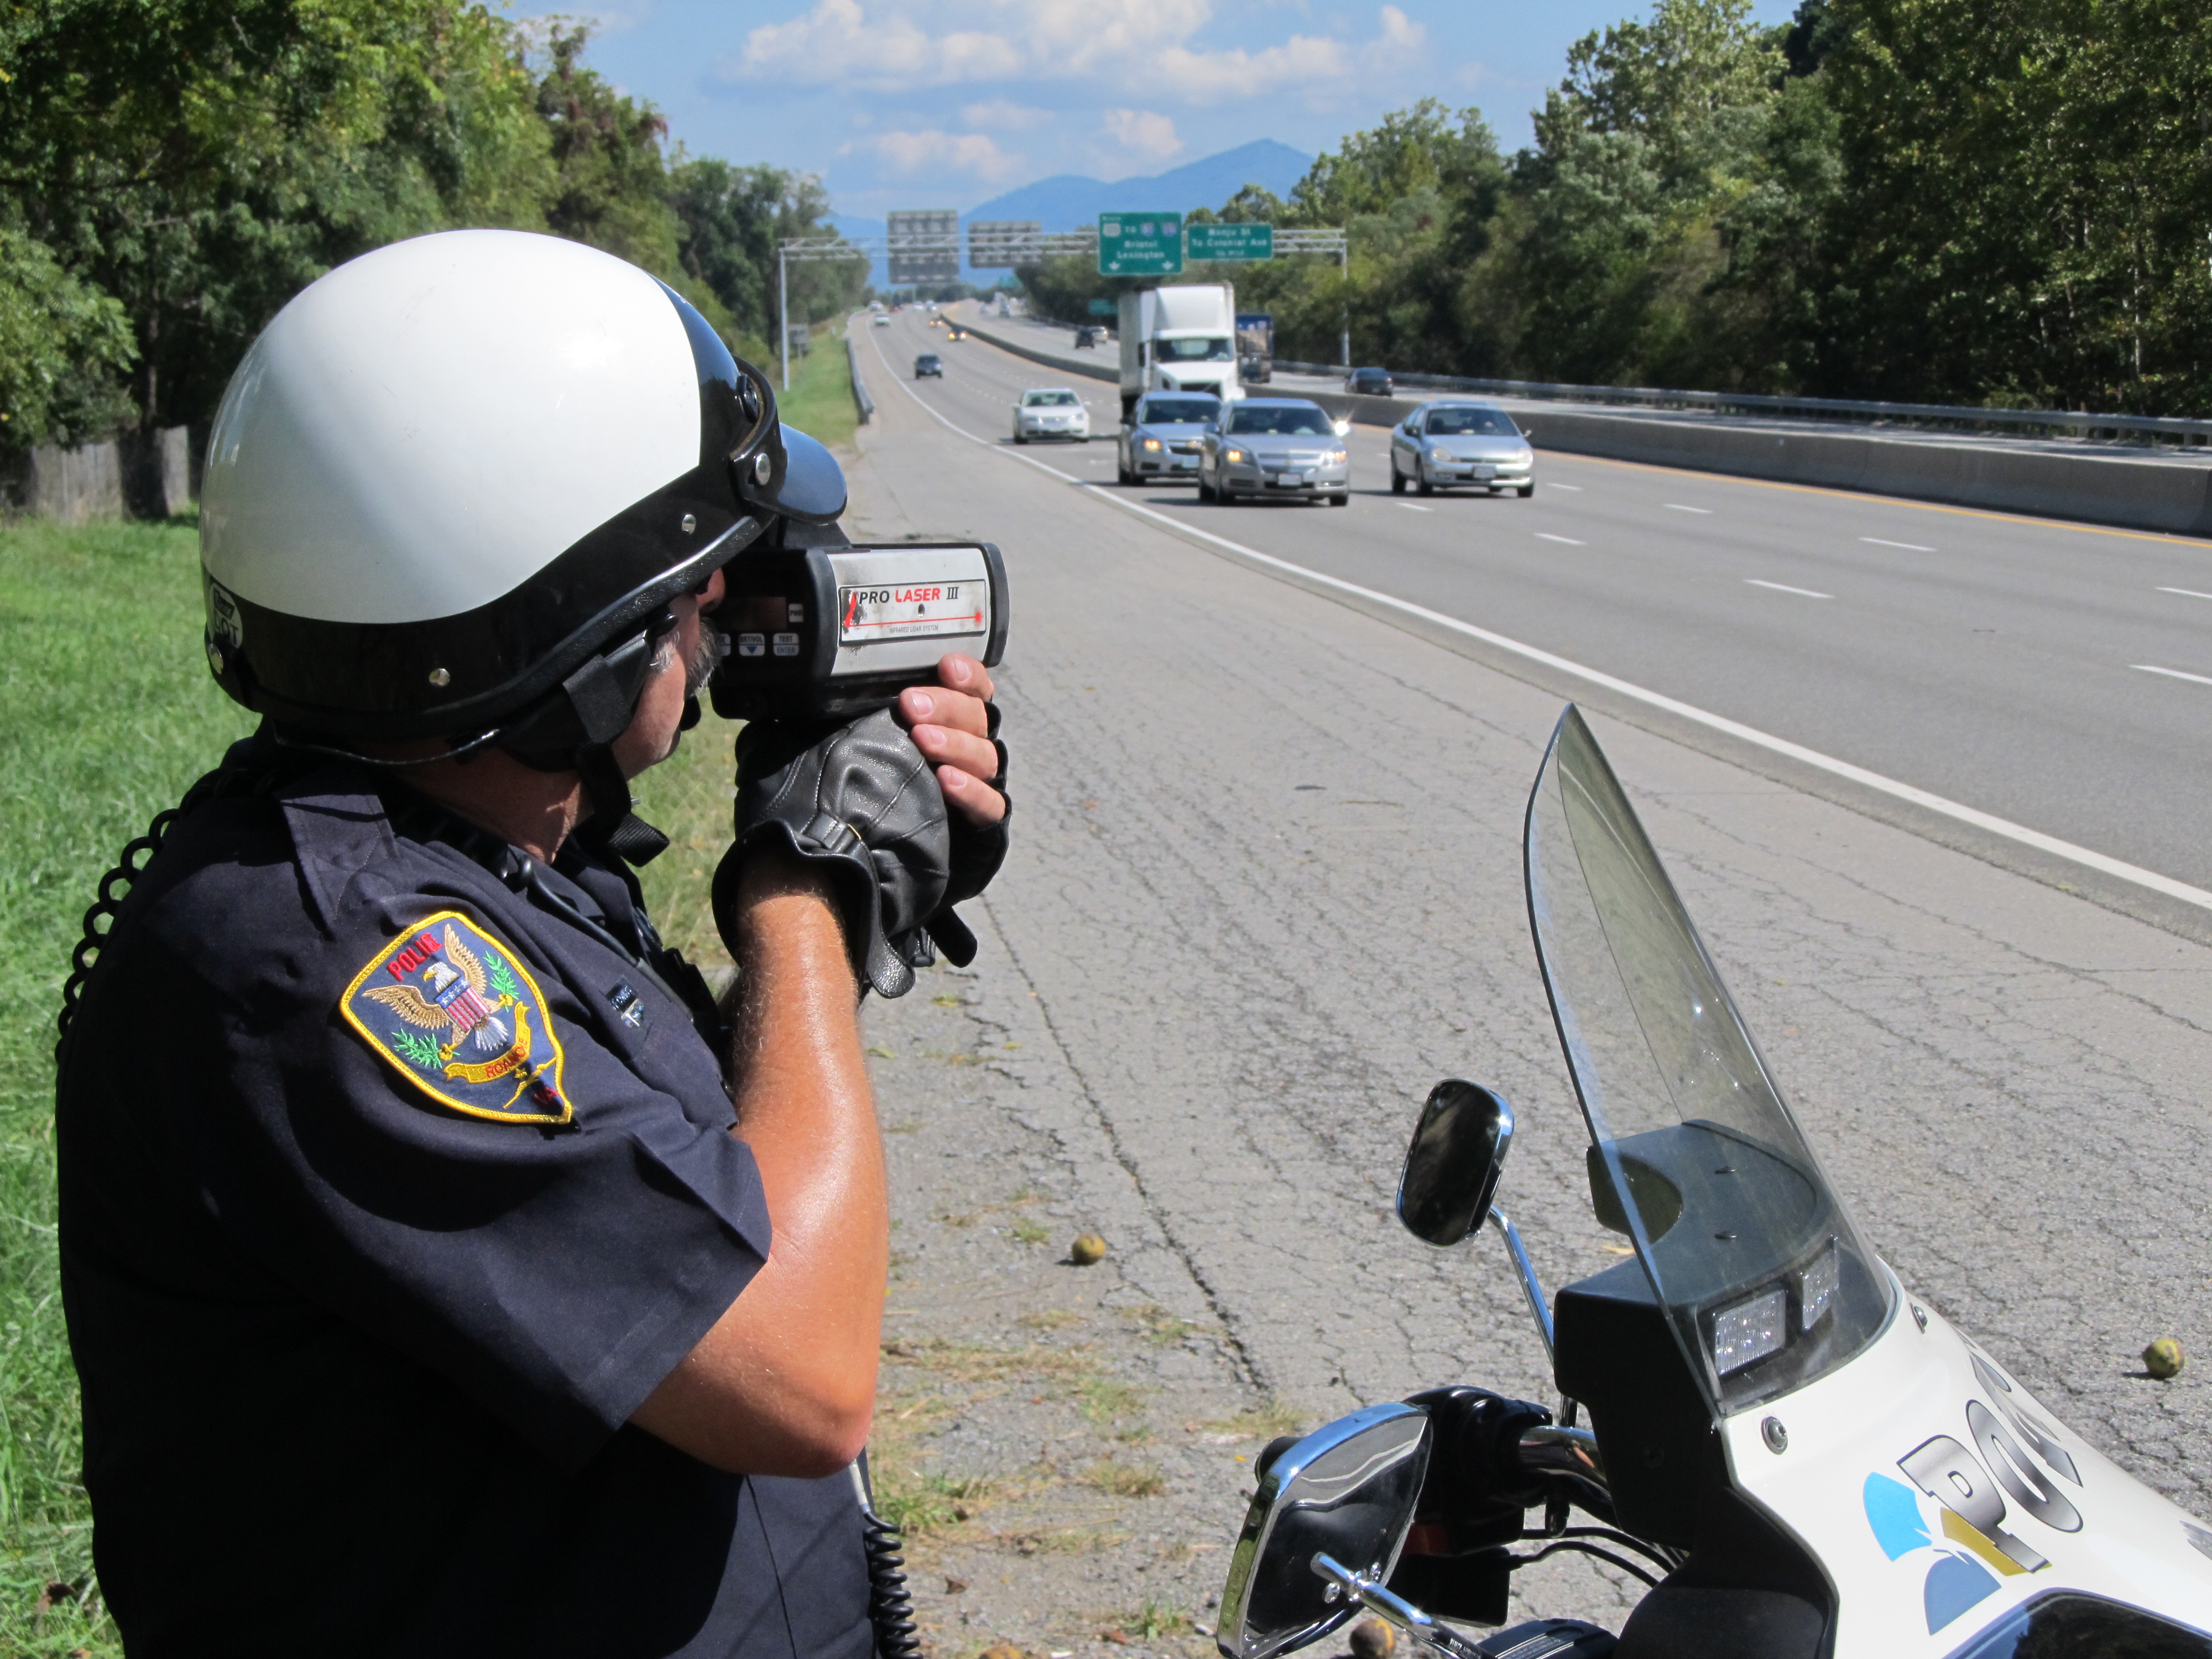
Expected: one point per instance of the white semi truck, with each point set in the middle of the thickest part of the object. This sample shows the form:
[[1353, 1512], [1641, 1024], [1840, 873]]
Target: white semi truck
[[1179, 339]]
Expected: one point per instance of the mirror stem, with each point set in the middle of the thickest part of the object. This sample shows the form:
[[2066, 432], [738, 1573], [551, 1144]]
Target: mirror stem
[[1399, 1612], [1526, 1269]]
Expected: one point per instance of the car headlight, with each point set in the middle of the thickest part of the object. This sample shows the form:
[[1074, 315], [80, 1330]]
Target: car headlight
[[1152, 444], [1438, 452], [1232, 454], [1334, 457]]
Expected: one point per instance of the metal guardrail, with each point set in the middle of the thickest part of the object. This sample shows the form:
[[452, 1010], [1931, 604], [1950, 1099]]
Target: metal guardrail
[[2146, 427], [861, 401]]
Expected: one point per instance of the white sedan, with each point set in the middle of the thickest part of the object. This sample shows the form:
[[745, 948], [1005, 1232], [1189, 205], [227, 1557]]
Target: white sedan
[[1051, 411]]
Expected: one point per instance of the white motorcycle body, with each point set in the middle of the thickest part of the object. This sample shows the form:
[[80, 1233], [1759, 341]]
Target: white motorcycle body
[[1801, 1459], [2021, 1505]]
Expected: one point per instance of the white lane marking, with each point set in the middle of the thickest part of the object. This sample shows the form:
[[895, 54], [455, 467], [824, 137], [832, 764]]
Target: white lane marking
[[1546, 536], [1548, 484], [1784, 588], [2170, 673], [2186, 593], [1676, 507], [1410, 507], [2087, 858], [1909, 547]]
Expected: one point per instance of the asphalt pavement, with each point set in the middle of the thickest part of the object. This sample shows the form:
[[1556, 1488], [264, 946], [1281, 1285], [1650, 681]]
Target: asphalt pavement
[[2055, 677], [1266, 887]]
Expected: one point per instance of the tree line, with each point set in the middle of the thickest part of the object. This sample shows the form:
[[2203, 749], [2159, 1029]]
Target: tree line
[[2001, 202], [172, 171]]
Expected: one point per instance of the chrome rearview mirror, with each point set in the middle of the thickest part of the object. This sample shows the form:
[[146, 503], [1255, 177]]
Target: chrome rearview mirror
[[1346, 1492], [1452, 1168]]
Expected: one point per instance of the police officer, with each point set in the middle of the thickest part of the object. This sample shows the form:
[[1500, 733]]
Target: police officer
[[443, 1276]]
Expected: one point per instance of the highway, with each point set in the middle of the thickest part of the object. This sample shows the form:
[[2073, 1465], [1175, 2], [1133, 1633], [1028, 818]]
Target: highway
[[1266, 889], [2055, 676]]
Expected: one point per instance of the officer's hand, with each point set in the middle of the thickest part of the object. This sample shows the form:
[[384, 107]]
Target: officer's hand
[[955, 728]]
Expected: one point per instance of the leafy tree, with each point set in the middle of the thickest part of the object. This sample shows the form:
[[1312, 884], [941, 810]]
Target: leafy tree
[[2026, 192], [63, 349], [730, 219]]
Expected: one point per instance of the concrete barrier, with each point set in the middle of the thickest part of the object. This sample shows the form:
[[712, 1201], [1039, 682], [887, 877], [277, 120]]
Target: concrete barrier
[[1108, 368]]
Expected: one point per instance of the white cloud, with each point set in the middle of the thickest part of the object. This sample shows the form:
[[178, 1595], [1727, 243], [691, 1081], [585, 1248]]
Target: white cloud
[[1001, 116], [1133, 45], [1150, 135], [938, 151]]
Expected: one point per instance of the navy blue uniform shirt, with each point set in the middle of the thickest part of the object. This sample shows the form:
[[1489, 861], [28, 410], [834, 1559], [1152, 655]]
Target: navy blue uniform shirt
[[360, 1336]]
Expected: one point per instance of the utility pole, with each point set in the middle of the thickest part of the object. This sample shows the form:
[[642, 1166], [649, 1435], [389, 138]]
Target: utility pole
[[783, 313], [1344, 268]]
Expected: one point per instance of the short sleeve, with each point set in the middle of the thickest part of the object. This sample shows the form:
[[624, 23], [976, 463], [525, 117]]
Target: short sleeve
[[556, 1262]]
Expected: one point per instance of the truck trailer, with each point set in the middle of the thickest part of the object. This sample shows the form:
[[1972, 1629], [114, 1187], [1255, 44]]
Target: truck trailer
[[1179, 339]]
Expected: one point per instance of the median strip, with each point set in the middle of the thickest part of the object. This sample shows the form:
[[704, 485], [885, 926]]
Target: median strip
[[1315, 580]]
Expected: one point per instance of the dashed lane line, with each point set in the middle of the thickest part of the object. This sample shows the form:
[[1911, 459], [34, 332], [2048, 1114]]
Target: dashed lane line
[[1909, 547], [2186, 593], [2170, 673], [1567, 540], [1784, 588], [2089, 858], [1677, 507]]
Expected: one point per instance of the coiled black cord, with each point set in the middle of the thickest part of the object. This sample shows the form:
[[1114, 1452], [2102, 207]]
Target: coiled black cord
[[890, 1603], [115, 887]]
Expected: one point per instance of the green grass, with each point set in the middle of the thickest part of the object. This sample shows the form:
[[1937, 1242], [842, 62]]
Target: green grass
[[111, 714], [820, 401]]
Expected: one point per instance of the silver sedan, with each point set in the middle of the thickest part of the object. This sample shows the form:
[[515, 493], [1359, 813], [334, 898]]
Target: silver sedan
[[1283, 447], [1459, 442]]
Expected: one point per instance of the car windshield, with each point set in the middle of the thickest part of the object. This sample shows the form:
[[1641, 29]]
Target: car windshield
[[928, 360], [1696, 1156], [1471, 423], [1181, 411], [1282, 421], [1048, 399], [1214, 350]]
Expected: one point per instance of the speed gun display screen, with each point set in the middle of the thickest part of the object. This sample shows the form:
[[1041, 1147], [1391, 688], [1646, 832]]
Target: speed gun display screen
[[913, 611]]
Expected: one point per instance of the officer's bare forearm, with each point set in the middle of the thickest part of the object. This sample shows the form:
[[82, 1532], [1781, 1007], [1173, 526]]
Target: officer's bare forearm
[[785, 1382]]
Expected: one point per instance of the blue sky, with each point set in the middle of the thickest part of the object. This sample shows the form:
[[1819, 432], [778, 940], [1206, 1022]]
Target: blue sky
[[946, 103]]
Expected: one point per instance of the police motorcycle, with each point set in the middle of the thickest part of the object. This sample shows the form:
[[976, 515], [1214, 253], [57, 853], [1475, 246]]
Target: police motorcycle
[[1800, 1458]]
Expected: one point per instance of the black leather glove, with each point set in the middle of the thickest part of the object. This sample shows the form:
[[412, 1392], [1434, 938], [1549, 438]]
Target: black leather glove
[[862, 803]]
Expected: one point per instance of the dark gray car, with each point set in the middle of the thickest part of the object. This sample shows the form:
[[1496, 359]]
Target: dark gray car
[[1284, 447], [1161, 439]]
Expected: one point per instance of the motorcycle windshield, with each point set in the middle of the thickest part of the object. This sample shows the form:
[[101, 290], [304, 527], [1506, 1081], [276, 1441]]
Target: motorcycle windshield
[[1696, 1156]]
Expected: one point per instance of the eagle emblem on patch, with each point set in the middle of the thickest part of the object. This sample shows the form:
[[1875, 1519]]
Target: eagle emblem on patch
[[461, 1018]]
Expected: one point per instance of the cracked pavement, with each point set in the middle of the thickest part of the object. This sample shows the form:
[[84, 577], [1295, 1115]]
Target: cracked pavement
[[1265, 891]]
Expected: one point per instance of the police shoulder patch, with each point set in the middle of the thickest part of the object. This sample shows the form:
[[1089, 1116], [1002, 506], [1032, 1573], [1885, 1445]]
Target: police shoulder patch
[[459, 1015]]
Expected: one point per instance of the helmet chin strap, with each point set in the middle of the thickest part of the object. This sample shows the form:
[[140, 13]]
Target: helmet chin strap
[[601, 700]]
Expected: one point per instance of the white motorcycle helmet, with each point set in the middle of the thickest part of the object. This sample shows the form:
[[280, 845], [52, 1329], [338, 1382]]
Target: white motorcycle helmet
[[453, 485]]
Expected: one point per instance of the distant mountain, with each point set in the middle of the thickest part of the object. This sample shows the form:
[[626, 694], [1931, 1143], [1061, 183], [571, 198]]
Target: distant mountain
[[1069, 201]]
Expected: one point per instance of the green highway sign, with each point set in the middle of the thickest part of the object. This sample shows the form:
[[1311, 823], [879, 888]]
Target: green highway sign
[[1141, 244], [1102, 308], [1233, 241]]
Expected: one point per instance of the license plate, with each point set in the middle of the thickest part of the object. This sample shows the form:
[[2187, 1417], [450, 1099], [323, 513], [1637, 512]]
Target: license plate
[[1483, 472]]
